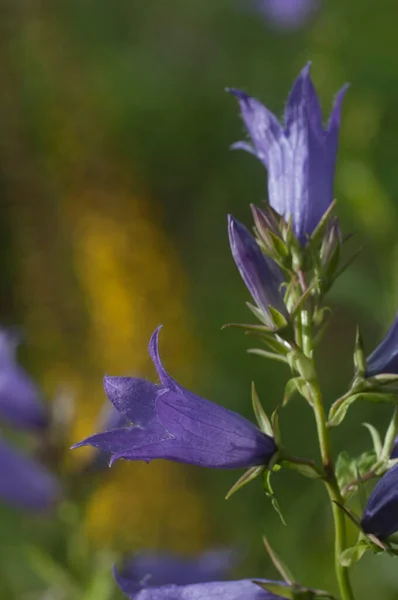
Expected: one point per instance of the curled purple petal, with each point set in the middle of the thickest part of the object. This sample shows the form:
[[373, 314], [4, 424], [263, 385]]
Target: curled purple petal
[[24, 483], [21, 405], [181, 427], [384, 359], [380, 517], [300, 157], [261, 275]]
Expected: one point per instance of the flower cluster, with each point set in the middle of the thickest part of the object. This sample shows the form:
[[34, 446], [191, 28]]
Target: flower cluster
[[288, 265]]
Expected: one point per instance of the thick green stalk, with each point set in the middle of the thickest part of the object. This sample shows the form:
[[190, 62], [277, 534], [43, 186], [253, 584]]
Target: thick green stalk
[[332, 486]]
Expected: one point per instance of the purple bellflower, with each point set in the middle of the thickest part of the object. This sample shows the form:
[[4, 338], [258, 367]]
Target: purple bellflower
[[384, 359], [158, 569], [166, 421], [215, 590], [394, 451], [262, 276], [300, 156], [24, 483], [380, 517], [20, 403], [287, 14]]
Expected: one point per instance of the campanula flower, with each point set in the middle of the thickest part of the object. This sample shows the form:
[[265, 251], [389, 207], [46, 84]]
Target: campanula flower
[[169, 422], [227, 590], [20, 403], [287, 14], [158, 569], [262, 276], [384, 359], [380, 517], [394, 451], [300, 155], [24, 483]]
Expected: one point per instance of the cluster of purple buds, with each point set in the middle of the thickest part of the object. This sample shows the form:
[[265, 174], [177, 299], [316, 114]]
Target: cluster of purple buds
[[24, 482]]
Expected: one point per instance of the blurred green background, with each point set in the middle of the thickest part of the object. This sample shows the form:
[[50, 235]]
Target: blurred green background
[[116, 179]]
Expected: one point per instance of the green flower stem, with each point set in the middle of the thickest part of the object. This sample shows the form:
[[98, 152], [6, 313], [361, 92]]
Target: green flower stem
[[342, 573]]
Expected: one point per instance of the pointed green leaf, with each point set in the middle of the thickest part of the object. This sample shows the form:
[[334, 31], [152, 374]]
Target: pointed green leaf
[[319, 231], [260, 414], [266, 354], [278, 563], [359, 355], [376, 439], [339, 409], [391, 435], [248, 476]]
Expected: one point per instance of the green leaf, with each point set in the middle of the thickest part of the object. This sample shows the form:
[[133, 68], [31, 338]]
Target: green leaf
[[339, 409], [247, 476], [260, 414], [353, 554], [304, 468], [266, 354], [320, 230], [391, 435], [278, 563], [376, 439]]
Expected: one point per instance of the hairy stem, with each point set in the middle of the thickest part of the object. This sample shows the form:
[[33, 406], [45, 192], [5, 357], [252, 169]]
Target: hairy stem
[[332, 486]]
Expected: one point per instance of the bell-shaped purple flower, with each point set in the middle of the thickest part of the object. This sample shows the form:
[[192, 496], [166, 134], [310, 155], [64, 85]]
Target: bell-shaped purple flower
[[287, 14], [300, 156], [262, 276], [380, 517], [159, 569], [166, 421], [384, 359], [21, 405], [24, 483], [226, 590]]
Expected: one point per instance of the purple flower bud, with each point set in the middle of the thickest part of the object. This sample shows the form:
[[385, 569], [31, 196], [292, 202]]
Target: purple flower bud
[[287, 14], [384, 359], [381, 512], [169, 422], [227, 590], [20, 403], [24, 483], [158, 569], [262, 276], [300, 156]]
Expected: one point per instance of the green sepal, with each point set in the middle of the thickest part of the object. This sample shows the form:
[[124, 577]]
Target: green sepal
[[260, 414], [276, 430], [267, 354], [299, 385], [319, 232], [339, 409], [376, 439], [247, 476], [384, 379], [277, 318], [269, 492], [260, 315]]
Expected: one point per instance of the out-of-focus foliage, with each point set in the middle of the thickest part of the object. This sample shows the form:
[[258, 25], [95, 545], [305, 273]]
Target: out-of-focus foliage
[[115, 184]]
